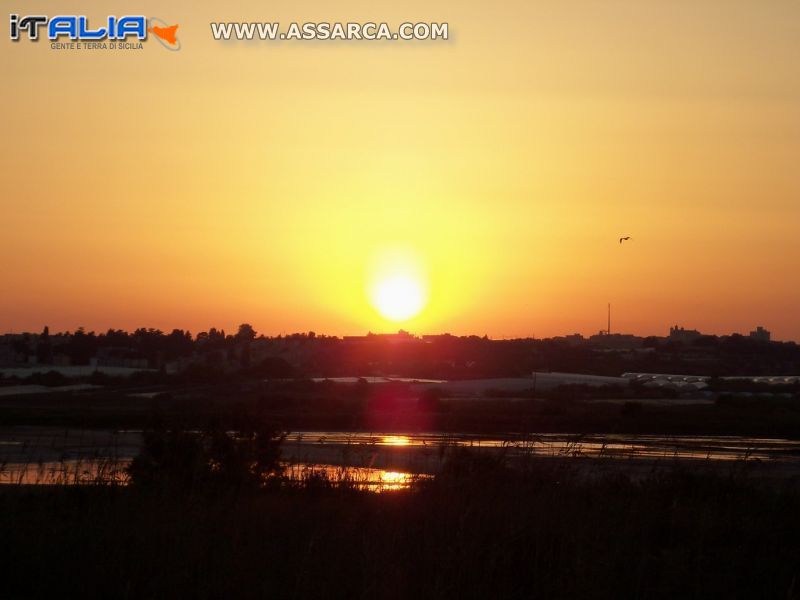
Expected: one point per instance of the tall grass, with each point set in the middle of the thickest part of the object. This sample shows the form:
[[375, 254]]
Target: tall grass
[[482, 528]]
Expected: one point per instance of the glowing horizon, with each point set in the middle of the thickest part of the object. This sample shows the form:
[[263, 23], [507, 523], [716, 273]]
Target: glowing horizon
[[231, 183]]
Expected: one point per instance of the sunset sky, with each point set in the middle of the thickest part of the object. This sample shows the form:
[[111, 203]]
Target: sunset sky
[[278, 183]]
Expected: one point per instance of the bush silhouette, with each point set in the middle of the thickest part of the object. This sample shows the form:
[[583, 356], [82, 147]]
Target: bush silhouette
[[189, 460]]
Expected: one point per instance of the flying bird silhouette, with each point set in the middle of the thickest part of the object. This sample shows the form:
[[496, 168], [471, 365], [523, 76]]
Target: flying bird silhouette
[[624, 239]]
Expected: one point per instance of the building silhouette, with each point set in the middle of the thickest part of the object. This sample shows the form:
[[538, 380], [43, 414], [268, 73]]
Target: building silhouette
[[760, 334]]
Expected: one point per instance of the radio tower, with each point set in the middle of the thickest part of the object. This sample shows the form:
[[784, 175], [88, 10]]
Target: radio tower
[[608, 331]]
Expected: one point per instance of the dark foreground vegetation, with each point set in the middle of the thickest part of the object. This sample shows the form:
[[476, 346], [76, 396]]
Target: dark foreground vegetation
[[235, 528]]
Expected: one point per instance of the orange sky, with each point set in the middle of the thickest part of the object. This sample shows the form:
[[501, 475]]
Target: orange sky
[[261, 182]]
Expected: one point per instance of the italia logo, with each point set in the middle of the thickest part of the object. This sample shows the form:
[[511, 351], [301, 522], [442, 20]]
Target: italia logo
[[77, 28]]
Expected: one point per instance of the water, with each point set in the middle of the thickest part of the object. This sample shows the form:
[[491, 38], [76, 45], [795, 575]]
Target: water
[[373, 379], [376, 461], [561, 445], [66, 472], [104, 472]]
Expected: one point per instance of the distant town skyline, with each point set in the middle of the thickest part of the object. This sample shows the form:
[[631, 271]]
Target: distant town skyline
[[675, 331]]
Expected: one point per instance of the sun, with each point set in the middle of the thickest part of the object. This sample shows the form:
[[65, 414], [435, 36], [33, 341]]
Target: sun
[[398, 297], [397, 282]]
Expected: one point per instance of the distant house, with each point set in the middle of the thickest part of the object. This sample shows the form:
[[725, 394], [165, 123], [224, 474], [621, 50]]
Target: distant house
[[7, 355], [616, 341], [573, 339], [61, 360], [400, 337], [760, 334], [679, 334], [118, 357], [438, 337]]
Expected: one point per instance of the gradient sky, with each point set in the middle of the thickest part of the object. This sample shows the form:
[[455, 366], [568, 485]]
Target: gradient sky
[[258, 181]]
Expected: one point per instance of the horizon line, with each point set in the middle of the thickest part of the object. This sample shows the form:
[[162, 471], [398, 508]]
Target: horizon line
[[232, 331]]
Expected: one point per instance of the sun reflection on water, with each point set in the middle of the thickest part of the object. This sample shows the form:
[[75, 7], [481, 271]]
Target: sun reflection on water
[[363, 478], [395, 440], [394, 480]]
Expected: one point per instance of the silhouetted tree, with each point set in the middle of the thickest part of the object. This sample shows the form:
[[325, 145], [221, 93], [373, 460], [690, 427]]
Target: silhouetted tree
[[246, 333]]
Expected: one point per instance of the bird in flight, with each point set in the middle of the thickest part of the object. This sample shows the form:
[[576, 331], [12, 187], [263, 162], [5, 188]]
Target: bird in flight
[[624, 239]]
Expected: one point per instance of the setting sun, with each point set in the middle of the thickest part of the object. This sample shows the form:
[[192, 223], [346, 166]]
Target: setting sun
[[398, 297], [397, 285]]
